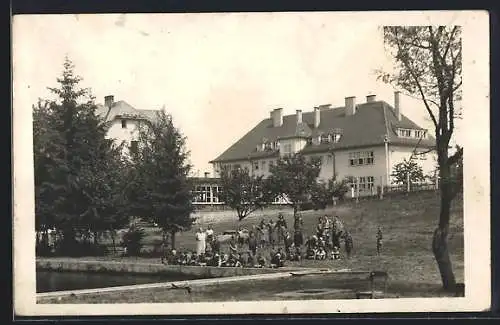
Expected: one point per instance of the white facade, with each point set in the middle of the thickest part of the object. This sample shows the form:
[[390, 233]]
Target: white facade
[[124, 131], [371, 166]]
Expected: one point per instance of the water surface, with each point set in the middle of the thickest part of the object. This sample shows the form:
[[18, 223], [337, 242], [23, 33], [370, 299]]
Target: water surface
[[48, 281]]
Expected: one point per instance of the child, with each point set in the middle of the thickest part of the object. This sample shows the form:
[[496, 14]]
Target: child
[[172, 258], [336, 253], [233, 246], [320, 253], [348, 244], [288, 241], [237, 261], [216, 260], [311, 248], [225, 260], [252, 243], [261, 260], [379, 240], [276, 260]]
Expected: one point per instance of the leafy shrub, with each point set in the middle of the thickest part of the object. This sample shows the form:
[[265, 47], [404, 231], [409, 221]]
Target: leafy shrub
[[132, 240]]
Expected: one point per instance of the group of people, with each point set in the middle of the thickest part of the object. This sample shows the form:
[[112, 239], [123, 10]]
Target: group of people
[[231, 259], [270, 244]]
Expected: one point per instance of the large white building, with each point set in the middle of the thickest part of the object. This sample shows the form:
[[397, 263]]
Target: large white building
[[363, 140]]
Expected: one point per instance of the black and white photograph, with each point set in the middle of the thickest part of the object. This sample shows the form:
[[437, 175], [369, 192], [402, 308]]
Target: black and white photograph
[[251, 163]]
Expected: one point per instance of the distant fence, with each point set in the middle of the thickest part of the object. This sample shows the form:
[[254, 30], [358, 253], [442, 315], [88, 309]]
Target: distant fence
[[392, 190]]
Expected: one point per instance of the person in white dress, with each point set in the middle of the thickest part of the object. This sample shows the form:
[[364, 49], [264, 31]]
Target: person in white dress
[[201, 237]]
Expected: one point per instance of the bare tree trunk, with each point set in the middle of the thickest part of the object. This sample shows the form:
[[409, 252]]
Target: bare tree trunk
[[172, 239], [440, 238], [113, 240], [295, 217]]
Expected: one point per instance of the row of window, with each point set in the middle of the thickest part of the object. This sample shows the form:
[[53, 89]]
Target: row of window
[[409, 133], [355, 159], [287, 148], [207, 194], [365, 183], [361, 158]]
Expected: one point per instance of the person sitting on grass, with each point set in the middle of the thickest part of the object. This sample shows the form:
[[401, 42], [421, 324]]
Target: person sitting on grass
[[261, 261], [183, 258], [216, 260], [193, 260], [320, 252], [206, 259], [296, 254], [237, 262], [311, 246], [172, 257], [278, 259], [289, 251], [225, 260], [200, 261], [336, 253]]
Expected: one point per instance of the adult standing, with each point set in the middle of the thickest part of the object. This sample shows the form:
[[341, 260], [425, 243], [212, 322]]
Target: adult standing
[[282, 227], [252, 243], [264, 234], [272, 233], [201, 237], [298, 237], [210, 234]]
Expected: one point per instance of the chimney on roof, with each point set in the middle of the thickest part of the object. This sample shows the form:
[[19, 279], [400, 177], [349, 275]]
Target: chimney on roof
[[109, 100], [299, 116], [277, 117], [317, 116], [207, 174], [397, 107], [371, 98], [350, 105]]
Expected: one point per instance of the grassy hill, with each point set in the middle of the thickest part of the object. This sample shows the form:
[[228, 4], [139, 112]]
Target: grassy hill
[[408, 223]]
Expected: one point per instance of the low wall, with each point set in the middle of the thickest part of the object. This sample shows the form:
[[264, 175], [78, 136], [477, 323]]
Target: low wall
[[74, 265]]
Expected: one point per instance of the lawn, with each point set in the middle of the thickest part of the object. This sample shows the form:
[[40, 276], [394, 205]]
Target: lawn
[[407, 222]]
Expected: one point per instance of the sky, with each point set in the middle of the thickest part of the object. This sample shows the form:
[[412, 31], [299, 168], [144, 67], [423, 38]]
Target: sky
[[217, 74]]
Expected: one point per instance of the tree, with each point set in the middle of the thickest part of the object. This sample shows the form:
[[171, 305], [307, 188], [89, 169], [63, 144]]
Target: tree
[[322, 193], [294, 178], [243, 192], [428, 65], [406, 170], [160, 190], [76, 168]]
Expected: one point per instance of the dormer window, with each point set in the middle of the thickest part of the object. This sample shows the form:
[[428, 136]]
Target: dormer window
[[420, 134], [409, 133], [325, 138], [329, 137], [268, 146]]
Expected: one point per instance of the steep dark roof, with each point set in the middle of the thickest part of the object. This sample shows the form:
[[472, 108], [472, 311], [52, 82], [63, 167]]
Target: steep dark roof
[[367, 127], [121, 108]]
